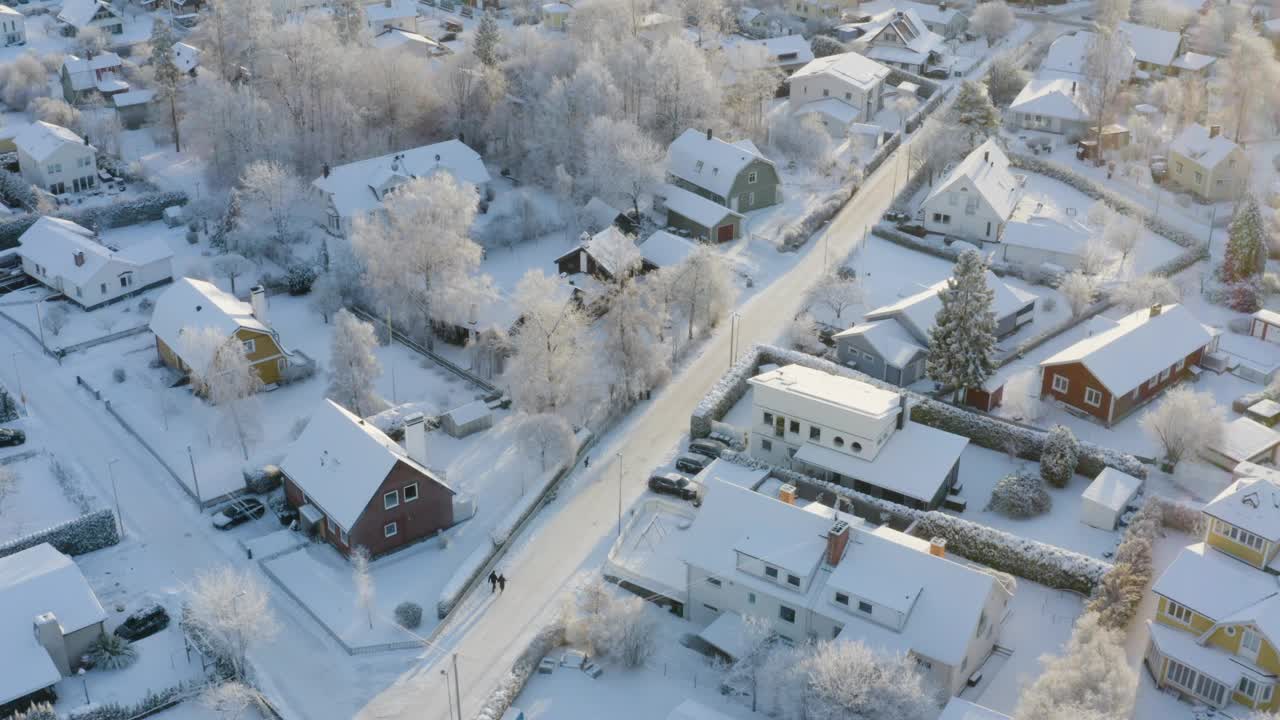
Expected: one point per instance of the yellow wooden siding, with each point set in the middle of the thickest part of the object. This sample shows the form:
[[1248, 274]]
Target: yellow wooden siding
[[169, 357], [1235, 549], [265, 354], [1199, 623], [1268, 658], [1229, 642]]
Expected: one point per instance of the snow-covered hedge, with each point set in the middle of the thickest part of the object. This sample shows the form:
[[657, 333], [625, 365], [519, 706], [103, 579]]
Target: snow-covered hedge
[[798, 233], [512, 684], [1179, 516], [1117, 597], [928, 247], [86, 533], [144, 208], [1020, 495], [150, 703], [877, 158], [468, 570]]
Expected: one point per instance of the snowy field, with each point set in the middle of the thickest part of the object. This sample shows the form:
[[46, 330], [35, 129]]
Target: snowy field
[[38, 501]]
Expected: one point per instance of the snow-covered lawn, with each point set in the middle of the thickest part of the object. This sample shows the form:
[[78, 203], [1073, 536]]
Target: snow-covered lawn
[[38, 501]]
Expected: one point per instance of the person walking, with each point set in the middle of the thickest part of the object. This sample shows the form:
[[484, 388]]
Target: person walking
[[586, 462], [502, 583], [493, 582]]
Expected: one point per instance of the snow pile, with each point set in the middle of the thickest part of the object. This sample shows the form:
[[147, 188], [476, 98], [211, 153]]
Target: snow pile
[[86, 533], [135, 210], [930, 246], [882, 153], [512, 684], [391, 420]]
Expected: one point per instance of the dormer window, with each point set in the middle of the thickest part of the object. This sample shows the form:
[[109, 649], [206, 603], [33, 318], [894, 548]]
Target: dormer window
[[771, 572], [697, 167], [793, 581]]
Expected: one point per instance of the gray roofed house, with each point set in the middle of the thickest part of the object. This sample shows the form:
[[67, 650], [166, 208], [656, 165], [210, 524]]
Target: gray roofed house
[[701, 218], [735, 175]]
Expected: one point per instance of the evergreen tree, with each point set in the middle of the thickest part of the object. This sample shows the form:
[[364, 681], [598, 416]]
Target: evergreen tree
[[487, 39], [974, 111], [8, 408], [1060, 456], [963, 337], [167, 74], [1246, 243]]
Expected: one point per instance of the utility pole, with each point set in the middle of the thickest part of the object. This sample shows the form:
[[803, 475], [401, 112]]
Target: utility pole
[[619, 456], [456, 690], [447, 692], [194, 478], [112, 472]]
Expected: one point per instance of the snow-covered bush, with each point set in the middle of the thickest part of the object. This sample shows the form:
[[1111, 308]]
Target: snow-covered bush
[[38, 711], [1091, 678], [138, 209], [149, 703], [824, 45], [299, 278], [1020, 495], [8, 406], [466, 573], [112, 652], [846, 680], [1060, 457], [799, 232], [1117, 597], [118, 375], [409, 615], [1179, 516], [512, 684], [227, 611], [609, 625], [261, 480], [85, 534], [16, 192], [803, 334], [22, 80]]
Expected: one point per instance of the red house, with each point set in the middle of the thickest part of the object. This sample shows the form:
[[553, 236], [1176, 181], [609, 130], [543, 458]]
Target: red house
[[356, 487], [1121, 367]]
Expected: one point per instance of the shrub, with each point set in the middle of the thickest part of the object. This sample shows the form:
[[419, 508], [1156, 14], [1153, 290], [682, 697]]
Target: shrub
[[1059, 459], [139, 209], [38, 711], [193, 237], [74, 537], [1117, 597], [262, 480], [409, 615], [8, 407], [300, 279], [1020, 495], [112, 652], [118, 375]]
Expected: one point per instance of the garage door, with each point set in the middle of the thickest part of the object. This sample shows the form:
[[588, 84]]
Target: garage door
[[724, 233]]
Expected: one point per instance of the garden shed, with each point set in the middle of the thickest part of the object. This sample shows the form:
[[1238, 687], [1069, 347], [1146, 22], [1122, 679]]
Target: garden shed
[[467, 419], [1244, 440], [1107, 497]]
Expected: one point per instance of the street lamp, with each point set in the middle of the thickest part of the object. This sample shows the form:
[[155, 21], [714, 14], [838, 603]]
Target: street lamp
[[112, 472], [444, 672]]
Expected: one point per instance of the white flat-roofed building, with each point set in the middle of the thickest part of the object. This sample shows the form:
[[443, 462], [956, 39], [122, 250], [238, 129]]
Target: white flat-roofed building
[[13, 26]]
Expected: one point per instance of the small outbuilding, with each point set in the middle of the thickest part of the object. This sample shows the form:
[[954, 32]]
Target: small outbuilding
[[1244, 440], [1265, 411], [1107, 497], [467, 419]]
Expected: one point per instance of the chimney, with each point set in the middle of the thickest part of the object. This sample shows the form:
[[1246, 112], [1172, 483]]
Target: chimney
[[904, 411], [415, 437], [787, 494], [708, 133], [258, 301], [938, 547], [1155, 310], [1215, 131], [325, 169], [1073, 87], [48, 633], [986, 156], [79, 258], [837, 541]]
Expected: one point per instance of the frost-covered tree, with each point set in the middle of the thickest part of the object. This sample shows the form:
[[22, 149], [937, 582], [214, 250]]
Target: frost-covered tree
[[1246, 253], [632, 328], [847, 680], [1109, 13], [547, 437], [1247, 82], [8, 482], [222, 373], [992, 20], [1184, 100], [962, 340], [756, 78], [1091, 678], [227, 612], [1020, 495], [362, 581], [55, 111], [974, 112], [621, 628], [1108, 64], [166, 75], [681, 91], [1079, 290], [487, 39], [703, 289], [1060, 456], [1183, 424], [1022, 397], [826, 46], [232, 266], [903, 105], [804, 335], [1117, 597], [837, 293], [1145, 291], [353, 366], [622, 164], [22, 80], [801, 138], [349, 21], [554, 349], [754, 647], [1217, 28], [55, 318], [433, 275], [1123, 234], [326, 295], [937, 146], [1005, 79], [232, 700], [112, 652], [271, 194]]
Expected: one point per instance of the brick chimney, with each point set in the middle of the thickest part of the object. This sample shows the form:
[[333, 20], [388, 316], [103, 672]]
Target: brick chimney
[[78, 256], [938, 547], [1215, 131], [787, 494], [837, 541]]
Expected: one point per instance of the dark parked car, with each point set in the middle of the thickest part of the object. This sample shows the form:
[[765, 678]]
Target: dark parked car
[[9, 436], [707, 447], [692, 464], [238, 512], [143, 623], [673, 484]]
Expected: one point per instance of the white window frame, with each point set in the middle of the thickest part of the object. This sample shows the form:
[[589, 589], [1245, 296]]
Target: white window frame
[[1062, 387], [250, 346], [1164, 374], [1250, 643], [390, 499], [1248, 687], [751, 177], [1093, 397], [391, 529], [342, 536], [405, 493]]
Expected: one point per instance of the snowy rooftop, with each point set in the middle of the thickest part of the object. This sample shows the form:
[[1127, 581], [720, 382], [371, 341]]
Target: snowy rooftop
[[470, 412], [987, 167], [926, 11], [1194, 62], [354, 187], [340, 460], [903, 29], [1112, 489], [1068, 53], [82, 73], [665, 250], [914, 461], [838, 109], [1051, 95], [1138, 347], [78, 13], [784, 50], [133, 97], [1195, 143], [695, 207], [1243, 439], [186, 57], [599, 212], [710, 163], [850, 68], [832, 390], [198, 304], [41, 139], [33, 582], [889, 338], [960, 709], [613, 250], [1152, 45], [1250, 503], [1183, 646], [55, 243], [919, 311], [6, 10], [1212, 583], [1038, 223], [733, 474]]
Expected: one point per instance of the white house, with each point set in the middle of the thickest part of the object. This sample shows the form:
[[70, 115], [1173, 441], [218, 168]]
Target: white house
[[1051, 103], [1069, 52], [186, 58], [77, 15], [53, 158], [976, 199], [83, 78], [960, 709], [852, 433], [813, 573], [787, 53], [899, 38], [360, 187], [1244, 440], [402, 14], [842, 89], [13, 26], [1013, 308], [69, 259]]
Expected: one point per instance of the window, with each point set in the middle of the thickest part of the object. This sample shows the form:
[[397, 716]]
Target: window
[[771, 572], [815, 432], [835, 631], [342, 535], [1178, 612], [864, 606], [838, 441], [1060, 383], [1178, 165], [411, 492], [751, 598], [1181, 364], [282, 364], [793, 581], [856, 447], [751, 178], [713, 582], [390, 530], [768, 418], [868, 356], [1092, 397], [1199, 177], [826, 93], [78, 293], [766, 445], [390, 500], [964, 664], [1250, 643], [925, 664], [795, 426], [55, 167], [126, 281], [250, 346], [971, 206], [697, 167], [982, 624], [712, 608], [1164, 374], [1234, 533], [786, 613], [1248, 687], [842, 599], [102, 288]]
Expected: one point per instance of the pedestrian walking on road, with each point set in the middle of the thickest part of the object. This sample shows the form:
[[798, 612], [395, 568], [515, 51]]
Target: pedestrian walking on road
[[586, 462], [493, 582], [502, 583]]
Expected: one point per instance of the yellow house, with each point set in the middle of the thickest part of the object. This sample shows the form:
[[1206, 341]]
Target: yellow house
[[1217, 625], [1206, 164], [193, 305]]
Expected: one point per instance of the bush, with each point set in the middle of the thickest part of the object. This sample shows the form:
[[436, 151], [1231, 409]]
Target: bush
[[1020, 495], [512, 684], [74, 537], [1117, 597], [112, 652], [409, 615], [140, 209], [16, 192], [1059, 459], [300, 279], [263, 480], [8, 406], [38, 711], [118, 375], [193, 237]]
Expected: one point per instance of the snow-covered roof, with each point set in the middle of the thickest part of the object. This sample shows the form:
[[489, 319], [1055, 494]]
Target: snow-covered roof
[[914, 461], [727, 634], [664, 249], [133, 97], [1212, 583], [732, 473], [694, 710], [1243, 439], [1152, 45], [930, 13], [186, 57], [919, 311], [353, 187], [961, 709], [987, 168], [1069, 53], [901, 29], [1250, 503], [35, 581], [388, 10], [1271, 317], [890, 340], [54, 243], [1052, 96], [82, 73], [832, 390], [340, 460], [747, 15], [850, 68], [1039, 224], [695, 207], [1137, 348], [1208, 660], [41, 139], [79, 13], [198, 304], [600, 212], [556, 8], [470, 412], [1112, 489], [613, 250], [710, 163], [834, 108], [6, 10], [783, 51], [1196, 144]]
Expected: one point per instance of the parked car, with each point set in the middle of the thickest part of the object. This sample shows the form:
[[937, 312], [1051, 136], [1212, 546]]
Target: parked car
[[144, 622], [707, 447], [692, 464], [674, 484], [238, 512], [9, 437], [937, 73]]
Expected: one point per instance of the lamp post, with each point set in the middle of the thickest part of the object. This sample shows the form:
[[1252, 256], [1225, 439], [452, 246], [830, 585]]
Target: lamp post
[[444, 672], [194, 478], [112, 472], [619, 457]]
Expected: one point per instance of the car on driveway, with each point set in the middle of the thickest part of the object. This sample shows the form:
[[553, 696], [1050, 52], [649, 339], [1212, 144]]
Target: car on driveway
[[9, 437], [238, 512], [143, 623], [707, 447], [674, 484], [692, 464]]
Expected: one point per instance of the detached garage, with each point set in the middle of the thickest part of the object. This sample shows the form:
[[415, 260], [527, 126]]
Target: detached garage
[[704, 219], [1244, 440], [1107, 497]]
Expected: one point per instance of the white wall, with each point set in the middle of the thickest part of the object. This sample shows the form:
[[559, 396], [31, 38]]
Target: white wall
[[832, 422], [983, 224], [63, 165], [13, 29], [1034, 257], [810, 87]]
